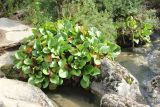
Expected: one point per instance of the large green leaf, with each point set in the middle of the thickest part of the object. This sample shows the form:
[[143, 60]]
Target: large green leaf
[[63, 73], [85, 81], [31, 80], [95, 71], [45, 65], [37, 45], [45, 71], [104, 49], [20, 55], [39, 80], [76, 72], [88, 69], [55, 79], [34, 53], [53, 64], [78, 64], [46, 50], [51, 42], [70, 59], [28, 61], [19, 64], [45, 83], [40, 59], [26, 69], [62, 63], [96, 60], [39, 74]]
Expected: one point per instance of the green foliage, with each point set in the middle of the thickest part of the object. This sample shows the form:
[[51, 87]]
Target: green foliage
[[132, 19], [8, 6], [86, 13], [63, 50], [38, 12], [109, 16], [139, 27], [120, 9]]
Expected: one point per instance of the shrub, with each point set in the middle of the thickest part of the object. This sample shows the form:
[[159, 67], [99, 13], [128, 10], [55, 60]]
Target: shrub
[[63, 50], [119, 9], [86, 13], [38, 12], [136, 30], [7, 7]]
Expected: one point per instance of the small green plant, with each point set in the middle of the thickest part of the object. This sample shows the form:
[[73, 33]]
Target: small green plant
[[139, 31], [63, 50], [136, 31]]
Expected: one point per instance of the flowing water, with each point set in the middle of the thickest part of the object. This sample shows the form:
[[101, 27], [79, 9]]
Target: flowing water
[[137, 65], [73, 97], [76, 97]]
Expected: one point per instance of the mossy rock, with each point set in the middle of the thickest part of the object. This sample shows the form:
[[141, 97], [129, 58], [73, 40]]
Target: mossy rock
[[9, 71]]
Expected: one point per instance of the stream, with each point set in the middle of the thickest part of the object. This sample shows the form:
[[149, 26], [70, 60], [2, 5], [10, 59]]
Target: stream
[[69, 97], [135, 63]]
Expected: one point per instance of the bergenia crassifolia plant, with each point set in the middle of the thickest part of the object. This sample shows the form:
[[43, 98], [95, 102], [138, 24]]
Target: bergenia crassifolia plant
[[63, 50]]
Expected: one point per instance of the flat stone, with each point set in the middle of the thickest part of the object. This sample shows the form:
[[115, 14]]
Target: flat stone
[[17, 36], [12, 25], [1, 75], [113, 100], [116, 79], [12, 33], [15, 93], [153, 89], [154, 61], [5, 59]]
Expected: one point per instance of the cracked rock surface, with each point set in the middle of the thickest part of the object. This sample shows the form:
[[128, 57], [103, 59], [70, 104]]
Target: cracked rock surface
[[15, 93], [12, 32]]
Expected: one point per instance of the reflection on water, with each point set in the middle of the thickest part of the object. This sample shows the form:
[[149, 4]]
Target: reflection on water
[[137, 65], [73, 97]]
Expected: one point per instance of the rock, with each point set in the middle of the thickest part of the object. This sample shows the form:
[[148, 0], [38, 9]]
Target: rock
[[154, 61], [155, 37], [116, 79], [12, 25], [153, 89], [131, 61], [6, 66], [5, 59], [15, 93], [143, 50], [113, 100], [2, 75], [12, 33]]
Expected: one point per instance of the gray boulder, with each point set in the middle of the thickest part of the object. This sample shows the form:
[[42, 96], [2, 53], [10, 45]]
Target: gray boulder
[[6, 64], [115, 79], [12, 33], [153, 89], [113, 100], [154, 61], [15, 93], [5, 59]]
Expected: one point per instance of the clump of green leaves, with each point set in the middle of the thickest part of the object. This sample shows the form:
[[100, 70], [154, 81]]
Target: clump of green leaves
[[86, 13], [63, 50], [136, 30]]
